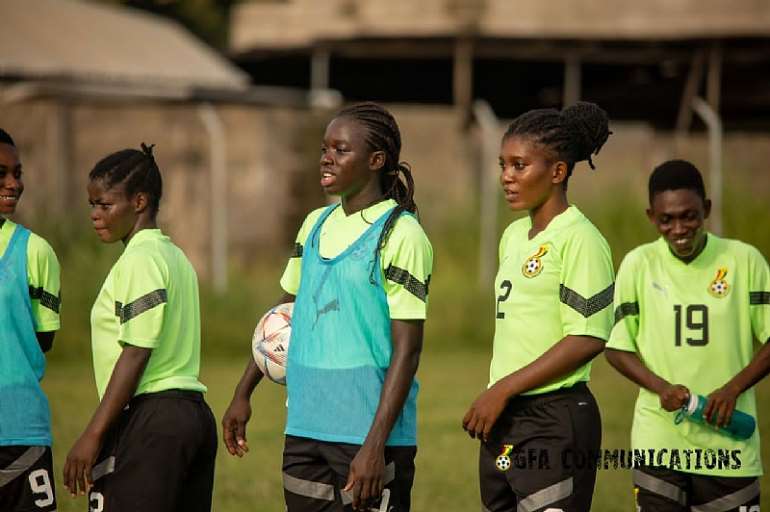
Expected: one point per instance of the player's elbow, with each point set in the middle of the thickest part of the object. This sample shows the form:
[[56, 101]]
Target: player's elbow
[[614, 357]]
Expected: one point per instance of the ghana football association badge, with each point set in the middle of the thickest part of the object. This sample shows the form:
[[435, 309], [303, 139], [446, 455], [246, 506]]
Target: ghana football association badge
[[719, 287], [503, 461], [534, 264]]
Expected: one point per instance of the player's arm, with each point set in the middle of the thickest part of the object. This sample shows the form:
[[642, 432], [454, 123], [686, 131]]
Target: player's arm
[[564, 357], [238, 412], [721, 403], [45, 285], [672, 396], [407, 263], [622, 351], [585, 294], [120, 389], [367, 470]]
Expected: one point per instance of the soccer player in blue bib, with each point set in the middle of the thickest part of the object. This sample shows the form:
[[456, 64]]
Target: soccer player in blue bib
[[538, 421], [360, 274], [687, 309], [29, 318]]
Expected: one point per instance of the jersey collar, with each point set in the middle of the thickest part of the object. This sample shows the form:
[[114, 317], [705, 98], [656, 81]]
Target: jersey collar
[[566, 218], [145, 234], [704, 256]]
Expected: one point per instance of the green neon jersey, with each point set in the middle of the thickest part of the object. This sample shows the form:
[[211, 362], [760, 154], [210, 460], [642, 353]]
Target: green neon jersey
[[149, 300], [557, 284]]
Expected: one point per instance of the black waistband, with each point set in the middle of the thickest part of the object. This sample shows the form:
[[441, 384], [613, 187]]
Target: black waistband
[[579, 388], [183, 394]]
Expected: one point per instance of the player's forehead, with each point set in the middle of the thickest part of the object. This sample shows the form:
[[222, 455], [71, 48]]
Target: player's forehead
[[345, 129], [677, 202], [9, 156]]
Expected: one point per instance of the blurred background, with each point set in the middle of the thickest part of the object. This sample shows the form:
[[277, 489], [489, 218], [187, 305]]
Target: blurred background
[[236, 95]]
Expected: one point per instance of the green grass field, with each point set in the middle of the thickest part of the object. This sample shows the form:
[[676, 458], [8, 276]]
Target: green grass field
[[446, 462]]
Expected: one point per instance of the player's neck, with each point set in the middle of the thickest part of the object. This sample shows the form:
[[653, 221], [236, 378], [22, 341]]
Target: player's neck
[[697, 252], [542, 215]]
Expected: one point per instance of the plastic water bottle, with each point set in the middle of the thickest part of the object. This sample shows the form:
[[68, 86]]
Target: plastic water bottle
[[740, 426]]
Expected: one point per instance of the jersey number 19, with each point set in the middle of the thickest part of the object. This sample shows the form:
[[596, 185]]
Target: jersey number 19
[[697, 323]]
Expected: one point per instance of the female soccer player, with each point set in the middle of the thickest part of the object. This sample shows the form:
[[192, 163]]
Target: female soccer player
[[687, 309], [29, 319], [151, 443], [538, 422], [360, 274]]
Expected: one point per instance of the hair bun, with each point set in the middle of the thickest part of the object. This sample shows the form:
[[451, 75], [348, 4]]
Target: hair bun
[[147, 149], [589, 123]]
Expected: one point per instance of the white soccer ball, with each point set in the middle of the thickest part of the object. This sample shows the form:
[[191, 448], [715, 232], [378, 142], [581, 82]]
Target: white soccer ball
[[270, 344], [503, 462]]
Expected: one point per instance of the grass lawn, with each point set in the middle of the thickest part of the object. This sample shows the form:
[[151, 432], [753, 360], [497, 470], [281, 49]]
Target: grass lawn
[[446, 463]]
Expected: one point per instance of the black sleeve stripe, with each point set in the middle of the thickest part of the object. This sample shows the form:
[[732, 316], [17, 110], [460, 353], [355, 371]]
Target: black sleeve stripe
[[626, 309], [48, 300], [140, 305], [297, 251], [408, 281], [758, 298], [586, 307]]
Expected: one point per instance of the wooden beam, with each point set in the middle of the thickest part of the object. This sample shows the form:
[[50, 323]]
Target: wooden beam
[[319, 69], [572, 80], [714, 77], [462, 79], [691, 88]]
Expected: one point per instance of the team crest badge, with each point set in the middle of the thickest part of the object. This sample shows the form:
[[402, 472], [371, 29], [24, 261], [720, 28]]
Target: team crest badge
[[534, 264], [503, 461], [719, 287]]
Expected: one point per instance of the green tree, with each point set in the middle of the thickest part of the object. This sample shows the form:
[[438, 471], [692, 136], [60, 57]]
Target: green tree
[[207, 19]]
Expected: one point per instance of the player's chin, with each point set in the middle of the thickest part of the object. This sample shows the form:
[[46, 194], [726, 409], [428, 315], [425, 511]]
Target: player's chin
[[105, 236], [332, 190], [516, 205]]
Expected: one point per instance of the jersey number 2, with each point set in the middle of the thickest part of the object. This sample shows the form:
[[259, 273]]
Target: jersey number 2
[[697, 319], [507, 286]]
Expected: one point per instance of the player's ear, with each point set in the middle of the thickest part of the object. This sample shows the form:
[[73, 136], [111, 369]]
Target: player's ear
[[140, 202], [706, 208], [377, 160], [559, 172]]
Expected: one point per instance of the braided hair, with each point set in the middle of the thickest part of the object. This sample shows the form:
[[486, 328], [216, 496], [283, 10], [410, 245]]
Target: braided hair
[[136, 169], [5, 138], [383, 134], [572, 135]]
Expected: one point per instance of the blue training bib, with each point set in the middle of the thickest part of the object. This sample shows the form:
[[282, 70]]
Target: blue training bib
[[24, 415], [341, 345]]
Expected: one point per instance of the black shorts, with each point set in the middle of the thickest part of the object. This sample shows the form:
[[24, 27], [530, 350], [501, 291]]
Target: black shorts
[[661, 489], [314, 473], [26, 479], [158, 457], [541, 453]]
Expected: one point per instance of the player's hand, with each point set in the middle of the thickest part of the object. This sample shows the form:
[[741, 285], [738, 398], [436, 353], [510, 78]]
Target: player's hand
[[674, 397], [80, 460], [366, 478], [720, 406], [483, 414], [234, 426]]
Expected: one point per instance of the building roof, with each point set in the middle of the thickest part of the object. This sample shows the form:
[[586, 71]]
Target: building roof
[[292, 24], [91, 42]]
